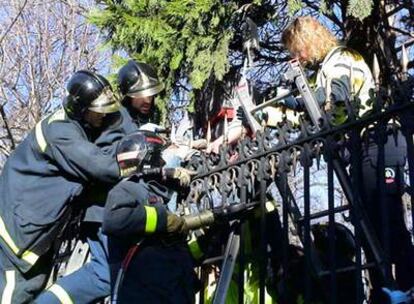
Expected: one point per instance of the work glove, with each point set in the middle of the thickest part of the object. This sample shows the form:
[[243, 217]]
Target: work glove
[[242, 117], [259, 115], [176, 224], [397, 296], [183, 175]]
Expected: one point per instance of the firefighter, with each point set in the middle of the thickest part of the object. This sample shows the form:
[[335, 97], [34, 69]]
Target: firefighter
[[344, 77], [44, 176], [91, 283], [139, 84], [160, 268]]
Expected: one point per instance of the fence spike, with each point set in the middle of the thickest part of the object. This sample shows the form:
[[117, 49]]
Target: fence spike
[[208, 136], [404, 61], [172, 134], [376, 70], [226, 128], [294, 161]]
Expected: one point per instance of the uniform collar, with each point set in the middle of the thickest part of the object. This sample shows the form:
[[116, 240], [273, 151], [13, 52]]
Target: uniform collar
[[331, 53]]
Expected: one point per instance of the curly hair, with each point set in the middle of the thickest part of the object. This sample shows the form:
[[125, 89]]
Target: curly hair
[[307, 33]]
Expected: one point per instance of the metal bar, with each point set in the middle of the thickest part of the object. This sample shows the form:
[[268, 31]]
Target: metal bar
[[324, 213], [270, 102], [263, 240], [283, 188], [227, 268], [242, 262], [346, 269], [359, 214], [307, 242], [356, 182], [204, 283], [331, 217], [410, 156], [384, 218]]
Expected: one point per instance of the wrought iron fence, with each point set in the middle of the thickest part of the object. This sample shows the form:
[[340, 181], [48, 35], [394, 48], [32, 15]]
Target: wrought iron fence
[[321, 268]]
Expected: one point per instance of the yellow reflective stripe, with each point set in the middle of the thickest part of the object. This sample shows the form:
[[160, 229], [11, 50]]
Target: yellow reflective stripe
[[195, 250], [40, 138], [4, 234], [9, 288], [27, 256], [270, 206], [61, 294], [151, 220], [58, 115], [30, 257]]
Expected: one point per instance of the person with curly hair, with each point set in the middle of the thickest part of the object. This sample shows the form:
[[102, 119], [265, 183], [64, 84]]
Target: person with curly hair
[[344, 77]]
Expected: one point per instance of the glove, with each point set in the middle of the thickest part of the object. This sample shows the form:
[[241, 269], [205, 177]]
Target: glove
[[260, 116], [183, 175], [397, 296], [176, 224], [242, 117]]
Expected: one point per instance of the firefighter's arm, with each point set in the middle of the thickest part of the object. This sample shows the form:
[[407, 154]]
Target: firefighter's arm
[[78, 157], [128, 214]]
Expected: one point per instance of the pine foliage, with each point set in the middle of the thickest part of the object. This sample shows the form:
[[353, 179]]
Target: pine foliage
[[183, 39], [197, 45]]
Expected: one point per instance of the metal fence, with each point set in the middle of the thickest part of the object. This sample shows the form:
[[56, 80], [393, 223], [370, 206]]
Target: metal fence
[[329, 262]]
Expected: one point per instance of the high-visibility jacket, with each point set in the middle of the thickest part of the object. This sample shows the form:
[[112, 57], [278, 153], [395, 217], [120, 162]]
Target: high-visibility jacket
[[40, 179], [344, 76]]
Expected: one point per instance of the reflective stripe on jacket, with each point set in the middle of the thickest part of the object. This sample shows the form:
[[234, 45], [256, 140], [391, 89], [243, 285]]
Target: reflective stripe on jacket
[[344, 75], [41, 177]]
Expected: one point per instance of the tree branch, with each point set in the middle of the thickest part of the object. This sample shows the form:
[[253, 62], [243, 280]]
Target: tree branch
[[13, 22]]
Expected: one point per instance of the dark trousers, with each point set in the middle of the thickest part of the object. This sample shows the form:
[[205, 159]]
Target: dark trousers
[[389, 215], [18, 287], [89, 283], [158, 274]]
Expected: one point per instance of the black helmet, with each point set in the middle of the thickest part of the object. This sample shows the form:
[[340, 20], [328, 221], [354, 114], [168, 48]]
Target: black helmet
[[137, 79], [89, 91], [140, 150]]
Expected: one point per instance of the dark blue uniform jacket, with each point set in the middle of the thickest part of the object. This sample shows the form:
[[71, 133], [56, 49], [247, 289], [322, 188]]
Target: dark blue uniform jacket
[[159, 271], [45, 173], [108, 141]]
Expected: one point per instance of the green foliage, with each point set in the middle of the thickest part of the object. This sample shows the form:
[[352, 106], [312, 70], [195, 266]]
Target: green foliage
[[360, 9], [324, 7], [294, 6], [178, 37], [195, 39]]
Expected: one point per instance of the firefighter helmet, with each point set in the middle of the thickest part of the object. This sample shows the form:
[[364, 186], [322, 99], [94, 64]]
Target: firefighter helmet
[[137, 79], [138, 151], [89, 91]]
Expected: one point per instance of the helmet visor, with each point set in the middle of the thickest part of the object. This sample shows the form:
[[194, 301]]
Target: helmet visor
[[105, 103], [146, 91], [130, 162]]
